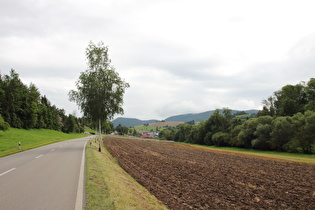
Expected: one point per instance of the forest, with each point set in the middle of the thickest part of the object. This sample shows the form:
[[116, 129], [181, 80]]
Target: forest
[[22, 106], [286, 123]]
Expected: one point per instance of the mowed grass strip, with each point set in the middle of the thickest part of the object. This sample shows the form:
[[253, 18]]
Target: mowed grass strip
[[295, 157], [108, 186], [29, 139]]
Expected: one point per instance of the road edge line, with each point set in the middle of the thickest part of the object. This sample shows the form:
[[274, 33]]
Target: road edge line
[[7, 171], [80, 191]]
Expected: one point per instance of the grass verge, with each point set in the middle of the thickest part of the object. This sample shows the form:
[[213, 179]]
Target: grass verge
[[30, 139], [108, 186], [302, 158]]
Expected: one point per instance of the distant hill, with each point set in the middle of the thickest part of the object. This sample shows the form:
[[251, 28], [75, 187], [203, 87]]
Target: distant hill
[[129, 122], [189, 117], [164, 124], [201, 116]]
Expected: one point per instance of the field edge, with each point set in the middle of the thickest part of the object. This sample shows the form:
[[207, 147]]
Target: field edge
[[278, 156], [108, 186]]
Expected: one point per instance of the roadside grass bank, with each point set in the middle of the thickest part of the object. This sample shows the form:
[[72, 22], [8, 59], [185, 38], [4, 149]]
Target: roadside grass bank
[[108, 186], [90, 130], [29, 139], [296, 157]]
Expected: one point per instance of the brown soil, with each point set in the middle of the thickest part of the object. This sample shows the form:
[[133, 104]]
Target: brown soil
[[189, 178]]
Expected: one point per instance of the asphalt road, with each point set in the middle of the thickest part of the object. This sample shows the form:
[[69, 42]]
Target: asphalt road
[[49, 177]]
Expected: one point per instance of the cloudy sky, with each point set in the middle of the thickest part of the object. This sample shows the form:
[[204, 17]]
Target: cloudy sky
[[179, 56]]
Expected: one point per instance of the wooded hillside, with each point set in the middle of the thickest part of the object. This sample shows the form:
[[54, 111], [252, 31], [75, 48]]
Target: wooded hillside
[[22, 106], [286, 123]]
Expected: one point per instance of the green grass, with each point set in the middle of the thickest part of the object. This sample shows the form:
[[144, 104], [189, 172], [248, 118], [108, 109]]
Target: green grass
[[147, 128], [296, 157], [90, 130], [30, 139], [108, 186]]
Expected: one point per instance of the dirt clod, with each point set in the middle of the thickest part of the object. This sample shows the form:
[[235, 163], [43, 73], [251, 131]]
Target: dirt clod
[[189, 178]]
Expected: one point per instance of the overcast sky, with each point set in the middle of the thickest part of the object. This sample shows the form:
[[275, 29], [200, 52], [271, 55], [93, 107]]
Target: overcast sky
[[179, 56]]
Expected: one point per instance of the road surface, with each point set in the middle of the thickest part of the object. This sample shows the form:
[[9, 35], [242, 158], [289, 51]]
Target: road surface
[[49, 177]]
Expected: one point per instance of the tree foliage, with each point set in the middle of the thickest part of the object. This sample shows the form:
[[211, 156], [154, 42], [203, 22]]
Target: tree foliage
[[22, 106], [100, 89], [3, 125], [290, 100], [122, 130], [286, 123]]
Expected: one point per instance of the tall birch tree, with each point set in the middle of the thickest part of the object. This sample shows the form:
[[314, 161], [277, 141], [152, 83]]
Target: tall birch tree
[[100, 89]]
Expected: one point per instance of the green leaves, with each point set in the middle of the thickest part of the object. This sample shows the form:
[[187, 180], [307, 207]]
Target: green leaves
[[100, 90], [290, 100], [22, 106], [3, 125]]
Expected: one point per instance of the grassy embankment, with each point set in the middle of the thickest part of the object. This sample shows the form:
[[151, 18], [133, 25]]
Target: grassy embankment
[[158, 125], [146, 128], [30, 139], [109, 187], [295, 157]]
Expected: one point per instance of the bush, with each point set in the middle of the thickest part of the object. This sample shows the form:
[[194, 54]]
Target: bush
[[3, 125], [221, 139]]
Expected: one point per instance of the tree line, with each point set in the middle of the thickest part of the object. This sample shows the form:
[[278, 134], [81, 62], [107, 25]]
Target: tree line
[[22, 106], [286, 123]]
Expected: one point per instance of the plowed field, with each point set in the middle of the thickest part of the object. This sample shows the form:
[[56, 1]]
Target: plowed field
[[184, 177]]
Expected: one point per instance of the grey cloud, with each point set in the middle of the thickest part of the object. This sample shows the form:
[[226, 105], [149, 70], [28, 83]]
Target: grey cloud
[[262, 80], [47, 39], [171, 58], [32, 19], [190, 69], [299, 65]]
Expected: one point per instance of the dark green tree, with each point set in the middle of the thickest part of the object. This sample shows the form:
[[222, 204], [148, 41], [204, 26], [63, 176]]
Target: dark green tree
[[70, 125], [2, 94], [304, 137], [107, 126], [197, 133], [15, 97], [221, 139], [235, 141], [268, 107], [122, 130], [3, 125], [262, 140], [100, 89], [282, 133], [246, 135], [30, 107], [183, 132], [290, 100], [310, 95], [218, 123]]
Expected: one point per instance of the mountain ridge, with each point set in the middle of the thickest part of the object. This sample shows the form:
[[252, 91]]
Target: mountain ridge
[[197, 117]]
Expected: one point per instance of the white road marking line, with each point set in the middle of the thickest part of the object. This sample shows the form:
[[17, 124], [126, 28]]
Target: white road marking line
[[80, 191], [7, 171], [52, 150], [39, 156], [60, 146]]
